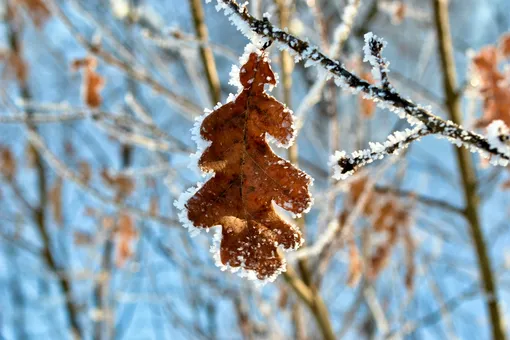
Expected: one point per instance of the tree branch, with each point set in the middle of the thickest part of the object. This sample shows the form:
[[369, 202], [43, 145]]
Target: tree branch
[[467, 169], [263, 30]]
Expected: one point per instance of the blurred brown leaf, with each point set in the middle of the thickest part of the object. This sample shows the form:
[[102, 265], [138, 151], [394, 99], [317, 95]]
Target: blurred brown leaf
[[495, 90], [15, 67], [367, 106], [36, 9], [506, 185], [154, 206], [90, 212], [504, 45], [283, 298], [92, 83], [125, 233], [355, 265], [83, 239], [55, 199], [7, 163], [108, 222], [390, 219], [123, 185], [380, 257], [410, 255], [85, 171], [399, 13], [30, 155]]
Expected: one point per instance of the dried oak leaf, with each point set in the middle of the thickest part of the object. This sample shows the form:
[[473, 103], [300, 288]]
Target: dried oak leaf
[[248, 177], [93, 82], [494, 89]]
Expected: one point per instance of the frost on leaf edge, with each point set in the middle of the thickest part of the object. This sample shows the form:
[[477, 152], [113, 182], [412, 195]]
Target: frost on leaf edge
[[203, 144]]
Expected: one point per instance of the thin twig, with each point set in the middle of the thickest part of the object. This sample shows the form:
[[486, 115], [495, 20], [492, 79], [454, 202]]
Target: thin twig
[[206, 54]]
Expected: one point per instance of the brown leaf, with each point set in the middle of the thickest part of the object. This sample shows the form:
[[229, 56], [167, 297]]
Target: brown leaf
[[154, 206], [409, 258], [7, 163], [85, 171], [283, 298], [107, 222], [382, 253], [93, 82], [55, 198], [504, 45], [123, 185], [249, 176], [82, 238], [367, 106], [15, 67], [90, 212], [399, 13], [30, 155], [69, 149], [494, 89], [36, 9], [388, 215], [126, 233], [506, 185], [150, 182], [355, 265], [357, 188]]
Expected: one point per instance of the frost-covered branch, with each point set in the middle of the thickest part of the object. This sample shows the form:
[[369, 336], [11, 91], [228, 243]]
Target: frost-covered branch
[[498, 135], [345, 165], [262, 31], [373, 54]]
